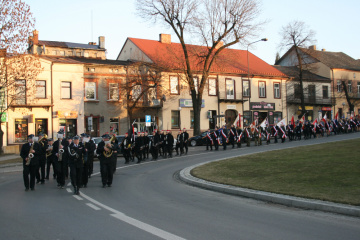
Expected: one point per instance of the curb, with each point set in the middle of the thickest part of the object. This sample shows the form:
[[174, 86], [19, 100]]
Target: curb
[[304, 203]]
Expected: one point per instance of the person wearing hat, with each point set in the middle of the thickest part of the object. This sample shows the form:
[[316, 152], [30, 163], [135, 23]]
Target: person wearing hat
[[59, 159], [30, 162], [76, 151], [126, 146], [146, 143], [40, 174], [139, 146], [115, 144], [88, 157], [161, 143], [105, 152], [169, 143], [50, 158], [185, 138], [179, 143], [155, 145]]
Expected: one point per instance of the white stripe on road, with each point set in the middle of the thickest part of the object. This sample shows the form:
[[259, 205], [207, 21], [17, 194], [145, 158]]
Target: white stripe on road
[[78, 198], [93, 206], [69, 190], [136, 223]]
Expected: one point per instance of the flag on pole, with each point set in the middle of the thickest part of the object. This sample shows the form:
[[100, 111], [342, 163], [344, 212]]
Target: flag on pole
[[293, 121], [302, 119], [264, 123], [238, 121], [336, 116], [282, 122], [314, 123]]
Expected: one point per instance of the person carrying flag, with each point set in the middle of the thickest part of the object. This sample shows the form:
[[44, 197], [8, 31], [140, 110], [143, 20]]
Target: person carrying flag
[[209, 140], [215, 136]]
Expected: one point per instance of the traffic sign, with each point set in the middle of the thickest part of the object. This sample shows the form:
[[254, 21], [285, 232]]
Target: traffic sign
[[148, 118]]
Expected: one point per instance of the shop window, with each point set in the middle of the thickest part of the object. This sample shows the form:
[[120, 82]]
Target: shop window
[[65, 90], [175, 119], [21, 130], [114, 126], [247, 118], [90, 90], [40, 89]]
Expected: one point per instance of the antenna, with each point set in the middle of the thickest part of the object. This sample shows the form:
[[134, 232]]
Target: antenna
[[92, 35]]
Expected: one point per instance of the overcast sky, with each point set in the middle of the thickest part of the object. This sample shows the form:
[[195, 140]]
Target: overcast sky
[[335, 22]]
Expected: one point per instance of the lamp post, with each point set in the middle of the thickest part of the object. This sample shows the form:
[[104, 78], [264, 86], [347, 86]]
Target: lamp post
[[248, 65]]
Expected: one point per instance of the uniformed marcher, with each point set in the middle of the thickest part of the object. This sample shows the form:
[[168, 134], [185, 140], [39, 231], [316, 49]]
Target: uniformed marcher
[[179, 143], [89, 146], [186, 139], [162, 148], [139, 146], [240, 136], [248, 135], [115, 146], [105, 152], [215, 136], [169, 143], [30, 155], [76, 151], [146, 143], [40, 174], [50, 158], [126, 146], [256, 136], [155, 145], [60, 165], [224, 136], [232, 135], [209, 140]]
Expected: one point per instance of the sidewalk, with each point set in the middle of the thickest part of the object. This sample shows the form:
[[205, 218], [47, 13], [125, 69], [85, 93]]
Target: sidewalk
[[10, 167], [9, 157]]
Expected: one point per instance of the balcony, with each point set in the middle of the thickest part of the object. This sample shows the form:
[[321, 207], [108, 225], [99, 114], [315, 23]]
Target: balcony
[[223, 97], [312, 101], [154, 103]]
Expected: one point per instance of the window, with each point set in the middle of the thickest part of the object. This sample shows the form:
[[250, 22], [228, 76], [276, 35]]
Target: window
[[246, 88], [247, 118], [90, 90], [151, 94], [113, 91], [262, 89], [40, 89], [53, 52], [230, 89], [358, 89], [349, 86], [21, 130], [196, 84], [65, 90], [20, 92], [191, 119], [338, 86], [297, 91], [114, 126], [136, 91], [86, 54], [277, 90], [174, 85], [325, 91], [277, 117], [212, 87], [62, 53], [175, 119]]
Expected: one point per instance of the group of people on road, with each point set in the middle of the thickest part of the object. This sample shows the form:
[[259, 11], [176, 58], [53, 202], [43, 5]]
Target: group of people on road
[[293, 131]]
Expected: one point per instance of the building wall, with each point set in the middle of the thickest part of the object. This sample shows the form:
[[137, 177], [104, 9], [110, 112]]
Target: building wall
[[131, 52]]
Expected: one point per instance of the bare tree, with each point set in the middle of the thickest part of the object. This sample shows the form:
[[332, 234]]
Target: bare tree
[[217, 24], [298, 36], [348, 92], [18, 70], [142, 87]]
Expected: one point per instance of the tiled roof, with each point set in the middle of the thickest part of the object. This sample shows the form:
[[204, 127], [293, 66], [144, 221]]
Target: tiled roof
[[68, 45], [79, 60], [294, 73], [228, 61], [334, 59]]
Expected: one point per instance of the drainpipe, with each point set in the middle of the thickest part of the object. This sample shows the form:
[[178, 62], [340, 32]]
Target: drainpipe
[[218, 93], [333, 80], [52, 99]]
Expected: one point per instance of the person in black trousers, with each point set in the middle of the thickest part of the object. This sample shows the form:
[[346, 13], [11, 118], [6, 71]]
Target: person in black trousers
[[30, 162], [185, 138], [76, 151], [40, 175], [50, 159], [209, 140], [59, 159], [105, 151], [126, 146], [179, 144], [169, 143]]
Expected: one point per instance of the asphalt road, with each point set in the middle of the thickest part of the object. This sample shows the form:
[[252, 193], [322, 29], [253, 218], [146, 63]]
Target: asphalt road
[[147, 201]]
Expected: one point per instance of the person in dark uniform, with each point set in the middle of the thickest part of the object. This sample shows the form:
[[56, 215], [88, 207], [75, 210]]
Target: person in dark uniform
[[126, 146], [239, 134], [275, 133], [115, 147], [268, 134], [224, 136], [215, 136], [40, 175], [169, 143], [248, 136], [283, 132], [59, 160], [50, 158], [256, 136], [105, 151], [232, 135], [139, 147], [179, 143], [186, 139], [30, 155], [89, 146], [66, 143], [146, 143], [209, 140], [290, 131], [155, 145], [76, 151], [162, 148]]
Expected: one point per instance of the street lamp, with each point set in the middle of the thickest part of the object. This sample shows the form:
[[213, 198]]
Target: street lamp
[[248, 64]]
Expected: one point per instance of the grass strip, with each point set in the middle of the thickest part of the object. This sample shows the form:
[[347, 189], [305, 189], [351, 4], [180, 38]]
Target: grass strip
[[329, 171]]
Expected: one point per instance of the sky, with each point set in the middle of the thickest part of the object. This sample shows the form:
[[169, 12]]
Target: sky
[[335, 23]]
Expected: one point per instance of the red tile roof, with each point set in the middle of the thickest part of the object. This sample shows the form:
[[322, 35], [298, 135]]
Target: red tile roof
[[230, 61]]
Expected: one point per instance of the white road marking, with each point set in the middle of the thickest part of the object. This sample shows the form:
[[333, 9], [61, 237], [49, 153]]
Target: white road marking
[[93, 206], [136, 223], [78, 198], [69, 190]]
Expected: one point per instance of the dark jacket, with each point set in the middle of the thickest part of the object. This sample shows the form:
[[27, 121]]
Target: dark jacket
[[24, 153]]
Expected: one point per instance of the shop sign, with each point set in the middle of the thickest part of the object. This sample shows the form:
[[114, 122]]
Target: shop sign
[[326, 108], [189, 103], [4, 117], [63, 114], [262, 106], [308, 108], [230, 106]]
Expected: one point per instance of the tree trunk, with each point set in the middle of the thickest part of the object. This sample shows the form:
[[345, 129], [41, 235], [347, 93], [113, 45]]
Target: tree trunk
[[197, 110], [302, 100], [351, 105]]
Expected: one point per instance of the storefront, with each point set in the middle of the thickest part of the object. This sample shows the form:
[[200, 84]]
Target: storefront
[[309, 113], [41, 126], [21, 130], [68, 122], [262, 110]]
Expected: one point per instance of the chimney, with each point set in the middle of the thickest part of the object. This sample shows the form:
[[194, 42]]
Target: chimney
[[312, 47], [35, 37], [323, 49], [102, 42], [165, 38], [2, 52]]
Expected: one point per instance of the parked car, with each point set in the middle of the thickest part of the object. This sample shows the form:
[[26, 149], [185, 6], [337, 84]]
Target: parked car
[[199, 139]]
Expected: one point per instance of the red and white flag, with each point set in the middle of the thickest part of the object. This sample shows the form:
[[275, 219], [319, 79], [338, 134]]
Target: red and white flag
[[238, 121], [293, 121]]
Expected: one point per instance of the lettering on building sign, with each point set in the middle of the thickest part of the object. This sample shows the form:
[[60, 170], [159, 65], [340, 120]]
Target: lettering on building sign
[[262, 106], [230, 106], [189, 103]]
